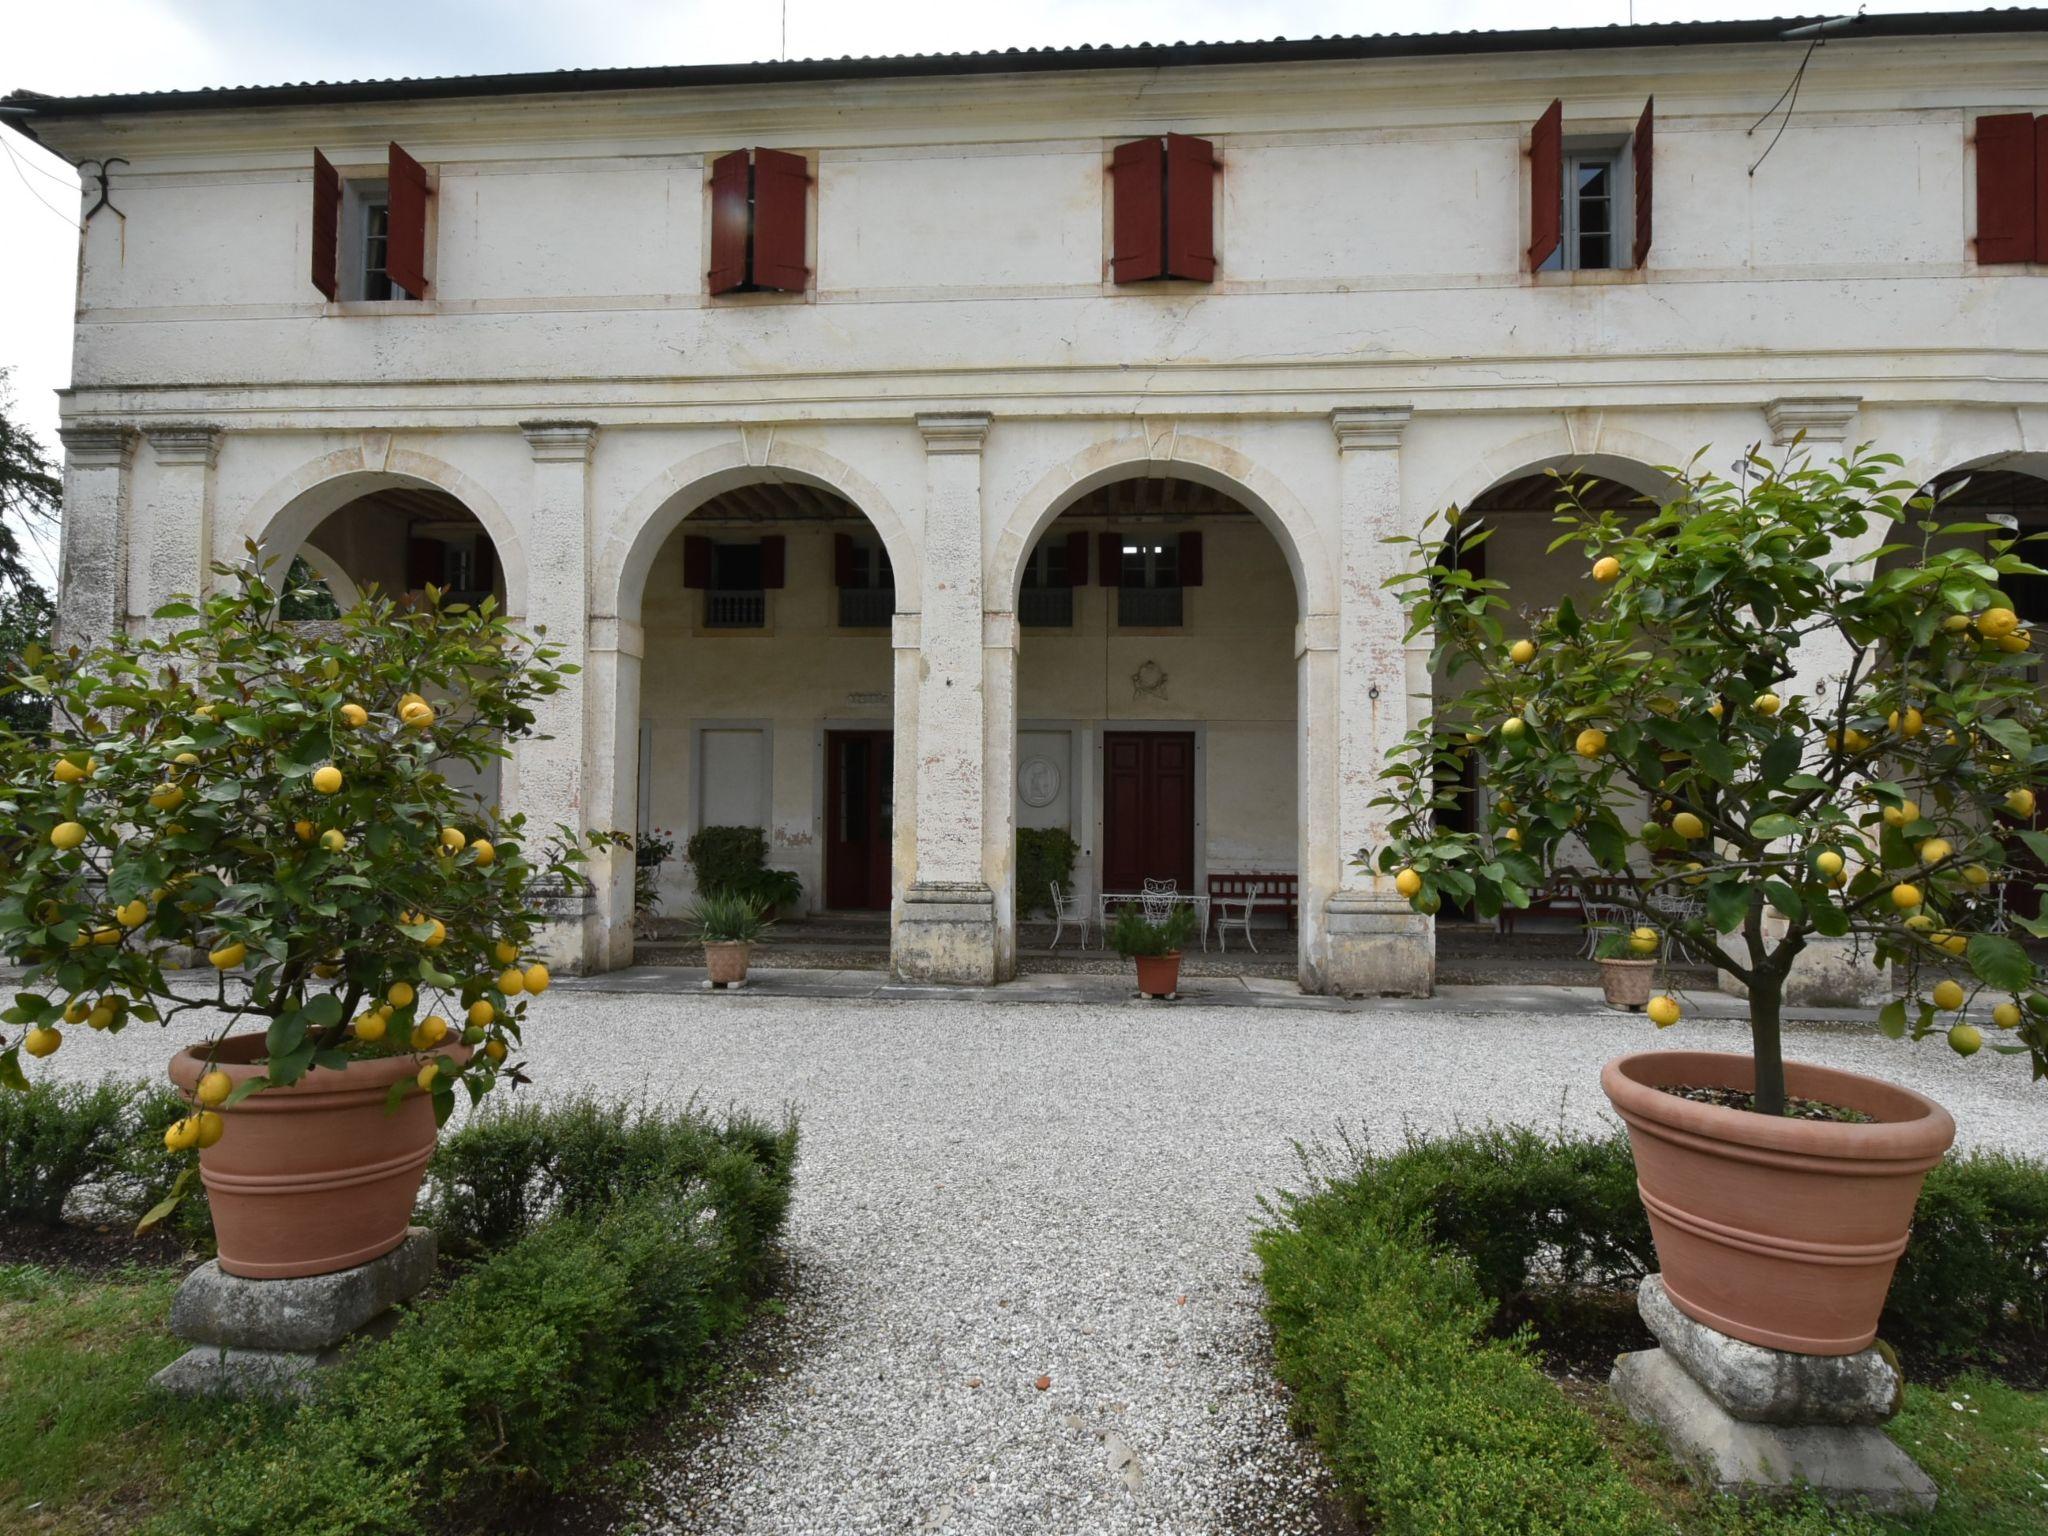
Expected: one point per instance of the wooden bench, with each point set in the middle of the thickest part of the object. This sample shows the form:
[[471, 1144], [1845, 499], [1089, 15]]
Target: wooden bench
[[1275, 892]]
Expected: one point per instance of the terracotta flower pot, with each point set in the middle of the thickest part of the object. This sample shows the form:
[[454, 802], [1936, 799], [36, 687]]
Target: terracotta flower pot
[[1158, 975], [1628, 983], [313, 1177], [727, 962], [1781, 1232]]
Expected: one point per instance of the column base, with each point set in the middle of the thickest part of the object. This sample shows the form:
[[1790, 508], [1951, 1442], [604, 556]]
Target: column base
[[1377, 946], [946, 933], [571, 936]]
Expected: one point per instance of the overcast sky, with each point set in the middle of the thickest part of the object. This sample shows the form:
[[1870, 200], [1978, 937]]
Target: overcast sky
[[85, 46]]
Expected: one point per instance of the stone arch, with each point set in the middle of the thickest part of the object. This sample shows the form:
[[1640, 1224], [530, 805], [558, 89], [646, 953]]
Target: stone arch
[[623, 563], [1198, 459], [1620, 454], [340, 585], [280, 520]]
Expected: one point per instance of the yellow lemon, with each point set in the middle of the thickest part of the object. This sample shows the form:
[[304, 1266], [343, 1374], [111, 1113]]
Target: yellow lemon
[[1606, 569], [2015, 642], [132, 914], [1591, 743], [427, 1075], [303, 831], [1909, 722], [1716, 710], [327, 779], [1407, 882], [1643, 941], [495, 1049], [103, 1016], [1663, 1011], [1965, 1039], [1903, 814], [214, 1088], [66, 835], [1688, 826], [1767, 704], [67, 772], [1955, 943], [430, 1031], [76, 1010], [485, 853], [1955, 623], [2020, 802], [207, 1127], [537, 978], [1513, 835], [506, 951], [1828, 862], [1522, 652], [1905, 897], [1920, 922], [1934, 850], [418, 716], [1948, 996], [354, 715], [182, 1135], [370, 1027], [1976, 874], [167, 797], [228, 956], [512, 982], [1513, 726], [482, 1014], [2006, 1015], [42, 1040], [438, 937], [1993, 622], [407, 700], [400, 994], [1856, 741], [453, 840], [334, 840]]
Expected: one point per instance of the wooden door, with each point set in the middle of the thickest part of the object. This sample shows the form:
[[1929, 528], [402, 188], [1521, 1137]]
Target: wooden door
[[1148, 809], [860, 776]]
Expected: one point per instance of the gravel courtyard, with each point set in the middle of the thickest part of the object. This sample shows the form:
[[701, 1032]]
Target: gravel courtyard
[[994, 1194]]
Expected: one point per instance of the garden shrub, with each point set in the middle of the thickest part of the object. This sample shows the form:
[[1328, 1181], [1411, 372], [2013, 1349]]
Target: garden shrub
[[1044, 855], [733, 861], [57, 1138]]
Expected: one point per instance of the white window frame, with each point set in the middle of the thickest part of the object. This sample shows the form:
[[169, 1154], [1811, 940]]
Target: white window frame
[[361, 198], [1617, 152]]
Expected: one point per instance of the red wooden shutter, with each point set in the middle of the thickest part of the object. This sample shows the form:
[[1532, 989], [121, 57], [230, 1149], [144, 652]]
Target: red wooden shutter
[[2006, 167], [1190, 208], [1077, 559], [842, 560], [781, 189], [405, 255], [1643, 154], [425, 563], [326, 225], [2041, 189], [774, 558], [484, 571], [1138, 222], [731, 179], [1191, 559], [1546, 184], [696, 561], [1109, 559]]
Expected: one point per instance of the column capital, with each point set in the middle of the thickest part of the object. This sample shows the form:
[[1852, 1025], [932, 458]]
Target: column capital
[[953, 431], [194, 442], [1823, 418], [98, 447], [1369, 426], [560, 442]]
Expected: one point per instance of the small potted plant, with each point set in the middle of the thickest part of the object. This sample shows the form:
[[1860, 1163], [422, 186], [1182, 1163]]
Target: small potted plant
[[274, 798], [728, 925], [1798, 711], [1628, 969], [1154, 946]]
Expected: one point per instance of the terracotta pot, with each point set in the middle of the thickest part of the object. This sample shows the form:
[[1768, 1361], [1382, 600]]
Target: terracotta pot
[[727, 962], [1628, 983], [313, 1177], [1781, 1232], [1158, 975]]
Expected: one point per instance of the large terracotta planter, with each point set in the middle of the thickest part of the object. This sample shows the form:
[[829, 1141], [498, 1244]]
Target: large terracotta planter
[[727, 962], [1781, 1232], [1628, 983], [1158, 975], [312, 1177]]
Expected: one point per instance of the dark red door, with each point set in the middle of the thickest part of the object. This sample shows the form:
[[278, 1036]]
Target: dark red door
[[860, 775], [1148, 809]]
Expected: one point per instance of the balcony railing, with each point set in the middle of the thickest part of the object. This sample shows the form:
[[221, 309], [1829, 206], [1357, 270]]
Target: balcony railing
[[1148, 607], [735, 610], [866, 607], [1046, 608]]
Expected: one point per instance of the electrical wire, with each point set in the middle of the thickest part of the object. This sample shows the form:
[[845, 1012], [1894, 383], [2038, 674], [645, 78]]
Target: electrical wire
[[15, 160], [1792, 91]]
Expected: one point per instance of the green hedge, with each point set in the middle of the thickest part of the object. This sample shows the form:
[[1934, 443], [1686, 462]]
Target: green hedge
[[58, 1138], [733, 861], [1044, 854], [655, 1240]]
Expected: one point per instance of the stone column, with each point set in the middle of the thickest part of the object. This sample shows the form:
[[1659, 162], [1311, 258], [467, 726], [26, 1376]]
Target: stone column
[[1000, 640], [92, 568], [549, 770], [946, 927], [176, 527], [611, 691], [1376, 944]]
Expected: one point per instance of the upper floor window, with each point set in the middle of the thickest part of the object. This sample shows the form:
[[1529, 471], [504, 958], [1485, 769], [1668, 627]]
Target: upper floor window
[[866, 582], [1057, 566], [1589, 196], [736, 576], [2012, 188], [1164, 192], [370, 233], [758, 222], [1151, 572]]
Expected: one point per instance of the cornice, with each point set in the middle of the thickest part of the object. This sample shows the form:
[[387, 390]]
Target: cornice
[[953, 431], [560, 442], [1372, 427], [98, 447], [1823, 419], [185, 443]]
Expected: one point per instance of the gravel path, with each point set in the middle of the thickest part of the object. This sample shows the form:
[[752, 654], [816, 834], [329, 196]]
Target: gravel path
[[989, 1195]]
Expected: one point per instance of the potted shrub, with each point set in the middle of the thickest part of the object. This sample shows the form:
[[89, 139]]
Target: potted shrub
[[728, 925], [1154, 946], [268, 798], [1628, 974], [1812, 684]]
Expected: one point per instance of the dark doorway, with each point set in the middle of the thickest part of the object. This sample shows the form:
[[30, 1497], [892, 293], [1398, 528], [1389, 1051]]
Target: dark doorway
[[860, 775], [1148, 809]]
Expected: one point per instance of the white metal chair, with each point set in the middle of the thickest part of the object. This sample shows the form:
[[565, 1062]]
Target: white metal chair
[[1603, 918], [1158, 905], [1236, 911], [1068, 909]]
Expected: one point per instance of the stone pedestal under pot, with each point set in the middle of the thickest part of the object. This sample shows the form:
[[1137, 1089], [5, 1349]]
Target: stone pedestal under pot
[[265, 1338], [1765, 1423]]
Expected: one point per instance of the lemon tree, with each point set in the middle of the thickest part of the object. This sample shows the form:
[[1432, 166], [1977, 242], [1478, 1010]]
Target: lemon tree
[[1801, 706], [270, 801]]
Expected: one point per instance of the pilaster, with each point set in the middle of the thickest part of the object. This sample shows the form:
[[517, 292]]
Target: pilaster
[[92, 564], [176, 525]]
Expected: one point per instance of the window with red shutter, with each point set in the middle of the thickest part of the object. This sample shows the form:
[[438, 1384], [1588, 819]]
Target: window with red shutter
[[1138, 217], [405, 256], [2008, 189], [696, 562], [732, 180], [1190, 208], [326, 226], [843, 573], [1643, 152], [781, 193], [1191, 559], [1546, 184], [1077, 559], [774, 558], [1109, 559]]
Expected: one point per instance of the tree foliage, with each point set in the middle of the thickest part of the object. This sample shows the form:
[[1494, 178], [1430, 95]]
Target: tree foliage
[[1889, 800]]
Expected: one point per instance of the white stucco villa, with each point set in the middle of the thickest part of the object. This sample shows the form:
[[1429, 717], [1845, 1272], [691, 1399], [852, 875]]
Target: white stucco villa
[[913, 449]]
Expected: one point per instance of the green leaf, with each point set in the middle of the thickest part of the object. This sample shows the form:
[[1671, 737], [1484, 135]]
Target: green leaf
[[168, 1204], [1785, 898], [1727, 905], [324, 1011], [1829, 920], [243, 1089], [10, 1070], [1891, 1019], [176, 611], [1780, 759], [287, 1031], [1999, 962], [2011, 735], [1773, 826]]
